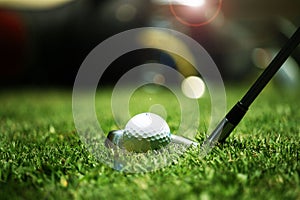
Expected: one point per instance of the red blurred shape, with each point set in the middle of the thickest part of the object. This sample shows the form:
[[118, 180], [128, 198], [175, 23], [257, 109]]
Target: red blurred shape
[[12, 43]]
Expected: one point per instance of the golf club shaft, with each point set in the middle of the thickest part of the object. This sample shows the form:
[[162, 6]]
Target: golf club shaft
[[234, 116]]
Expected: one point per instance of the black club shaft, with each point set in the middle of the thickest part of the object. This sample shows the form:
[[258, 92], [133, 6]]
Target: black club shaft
[[235, 115]]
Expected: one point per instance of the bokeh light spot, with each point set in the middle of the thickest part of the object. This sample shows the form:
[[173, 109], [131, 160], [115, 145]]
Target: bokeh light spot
[[261, 57], [125, 12], [193, 87], [159, 79]]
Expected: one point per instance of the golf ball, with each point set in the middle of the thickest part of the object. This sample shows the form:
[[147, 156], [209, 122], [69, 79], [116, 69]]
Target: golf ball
[[146, 131]]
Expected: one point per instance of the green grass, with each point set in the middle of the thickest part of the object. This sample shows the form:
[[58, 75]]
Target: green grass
[[42, 157]]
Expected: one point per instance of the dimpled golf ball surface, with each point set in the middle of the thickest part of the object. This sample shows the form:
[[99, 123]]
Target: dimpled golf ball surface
[[146, 131]]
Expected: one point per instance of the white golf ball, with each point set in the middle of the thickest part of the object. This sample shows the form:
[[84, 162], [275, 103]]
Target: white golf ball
[[146, 131]]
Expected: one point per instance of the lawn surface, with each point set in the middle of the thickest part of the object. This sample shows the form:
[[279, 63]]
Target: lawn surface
[[42, 157]]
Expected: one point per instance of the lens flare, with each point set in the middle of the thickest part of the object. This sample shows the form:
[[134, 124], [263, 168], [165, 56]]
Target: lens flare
[[192, 3], [202, 13]]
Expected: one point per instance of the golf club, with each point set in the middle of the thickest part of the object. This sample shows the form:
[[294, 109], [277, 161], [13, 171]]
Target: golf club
[[235, 115]]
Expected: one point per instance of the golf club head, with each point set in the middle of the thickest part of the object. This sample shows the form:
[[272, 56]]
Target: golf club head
[[115, 138]]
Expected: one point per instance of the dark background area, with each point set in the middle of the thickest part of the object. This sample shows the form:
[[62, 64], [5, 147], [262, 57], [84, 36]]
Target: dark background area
[[45, 46]]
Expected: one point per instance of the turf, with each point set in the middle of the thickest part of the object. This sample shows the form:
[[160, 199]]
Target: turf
[[42, 157]]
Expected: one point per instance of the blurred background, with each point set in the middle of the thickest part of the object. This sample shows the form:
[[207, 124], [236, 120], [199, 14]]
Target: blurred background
[[43, 43]]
